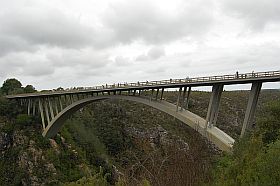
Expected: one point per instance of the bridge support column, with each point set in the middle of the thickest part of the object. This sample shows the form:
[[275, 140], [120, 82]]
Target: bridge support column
[[183, 98], [152, 95], [178, 99], [251, 107], [188, 97], [47, 111], [42, 114], [60, 103], [34, 107], [28, 106], [65, 100], [55, 106], [157, 94], [214, 103], [72, 98], [162, 90], [51, 108]]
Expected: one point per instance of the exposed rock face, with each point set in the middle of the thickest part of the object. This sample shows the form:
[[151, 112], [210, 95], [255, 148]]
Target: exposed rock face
[[19, 139], [54, 145], [30, 158], [158, 137]]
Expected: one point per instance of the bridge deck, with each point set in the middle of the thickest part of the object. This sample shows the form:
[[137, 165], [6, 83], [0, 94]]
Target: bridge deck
[[270, 76]]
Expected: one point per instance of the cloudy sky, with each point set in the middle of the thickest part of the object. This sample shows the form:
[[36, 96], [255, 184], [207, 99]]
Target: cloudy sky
[[52, 43]]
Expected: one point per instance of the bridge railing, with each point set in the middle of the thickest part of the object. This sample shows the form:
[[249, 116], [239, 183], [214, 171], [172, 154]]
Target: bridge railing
[[236, 76], [185, 80]]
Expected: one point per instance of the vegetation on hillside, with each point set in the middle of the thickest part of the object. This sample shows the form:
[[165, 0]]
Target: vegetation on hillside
[[255, 159], [141, 142], [125, 143]]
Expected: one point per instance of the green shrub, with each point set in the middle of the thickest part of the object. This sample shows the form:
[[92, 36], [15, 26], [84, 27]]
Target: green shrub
[[24, 120], [8, 108], [255, 159], [98, 179]]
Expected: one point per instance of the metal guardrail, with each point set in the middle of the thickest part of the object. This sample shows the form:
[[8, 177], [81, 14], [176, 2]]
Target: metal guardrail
[[236, 76]]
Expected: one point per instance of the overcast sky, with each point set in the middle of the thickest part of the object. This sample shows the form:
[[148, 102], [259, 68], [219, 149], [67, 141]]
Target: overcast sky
[[53, 43]]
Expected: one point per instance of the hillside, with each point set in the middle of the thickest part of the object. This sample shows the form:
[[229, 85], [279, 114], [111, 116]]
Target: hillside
[[118, 143], [128, 147], [232, 107]]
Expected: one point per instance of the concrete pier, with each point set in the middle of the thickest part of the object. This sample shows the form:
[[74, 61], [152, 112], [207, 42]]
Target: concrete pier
[[251, 107], [214, 103]]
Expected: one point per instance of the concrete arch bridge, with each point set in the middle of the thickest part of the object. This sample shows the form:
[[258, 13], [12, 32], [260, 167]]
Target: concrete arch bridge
[[55, 107]]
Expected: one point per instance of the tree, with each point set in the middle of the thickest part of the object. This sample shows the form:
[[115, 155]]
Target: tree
[[11, 86], [29, 89], [59, 89]]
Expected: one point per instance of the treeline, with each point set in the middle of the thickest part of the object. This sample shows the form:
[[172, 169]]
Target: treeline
[[14, 86]]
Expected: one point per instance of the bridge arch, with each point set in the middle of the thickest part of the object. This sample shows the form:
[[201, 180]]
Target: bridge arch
[[214, 134]]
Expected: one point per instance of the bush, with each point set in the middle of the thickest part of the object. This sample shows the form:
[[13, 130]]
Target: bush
[[255, 159], [24, 120], [269, 122], [8, 108], [99, 179]]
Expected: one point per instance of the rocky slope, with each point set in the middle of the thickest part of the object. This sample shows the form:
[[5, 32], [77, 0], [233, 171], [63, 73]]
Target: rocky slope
[[130, 141]]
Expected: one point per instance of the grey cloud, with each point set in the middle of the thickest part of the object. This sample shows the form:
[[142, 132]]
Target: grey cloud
[[142, 57], [25, 64], [39, 69], [43, 26], [122, 61], [153, 54], [27, 28], [46, 61], [9, 44], [245, 58], [257, 13], [141, 20], [40, 43], [87, 58], [158, 70], [156, 52]]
